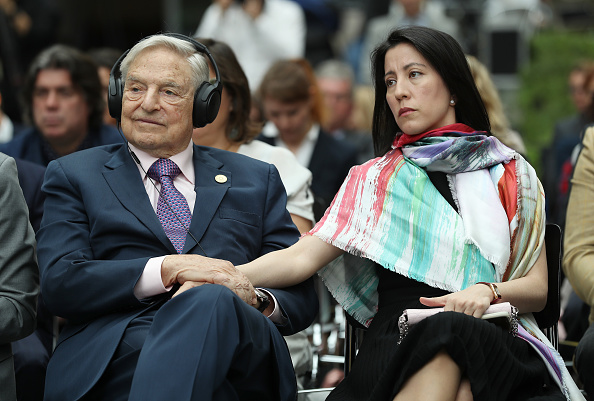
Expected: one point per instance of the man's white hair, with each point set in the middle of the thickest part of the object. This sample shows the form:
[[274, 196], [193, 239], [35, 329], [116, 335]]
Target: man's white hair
[[182, 47]]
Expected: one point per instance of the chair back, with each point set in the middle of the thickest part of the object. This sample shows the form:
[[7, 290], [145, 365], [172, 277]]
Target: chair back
[[548, 318]]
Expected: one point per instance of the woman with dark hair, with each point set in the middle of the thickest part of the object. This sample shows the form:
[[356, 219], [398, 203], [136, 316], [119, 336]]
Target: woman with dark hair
[[445, 216], [234, 131]]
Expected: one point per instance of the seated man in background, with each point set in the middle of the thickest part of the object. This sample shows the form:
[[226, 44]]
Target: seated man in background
[[336, 80], [127, 244], [64, 104]]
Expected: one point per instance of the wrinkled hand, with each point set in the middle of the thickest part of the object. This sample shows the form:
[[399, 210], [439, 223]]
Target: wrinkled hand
[[193, 271], [472, 301]]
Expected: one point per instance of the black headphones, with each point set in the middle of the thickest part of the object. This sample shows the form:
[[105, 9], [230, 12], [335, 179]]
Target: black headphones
[[207, 97]]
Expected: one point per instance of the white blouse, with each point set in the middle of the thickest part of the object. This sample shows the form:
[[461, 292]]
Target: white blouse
[[295, 177]]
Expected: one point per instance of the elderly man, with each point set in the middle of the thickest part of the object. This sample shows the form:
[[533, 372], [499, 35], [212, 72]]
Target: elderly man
[[127, 244], [64, 104]]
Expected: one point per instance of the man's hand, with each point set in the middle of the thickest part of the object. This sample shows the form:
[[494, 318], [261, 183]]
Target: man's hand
[[193, 270]]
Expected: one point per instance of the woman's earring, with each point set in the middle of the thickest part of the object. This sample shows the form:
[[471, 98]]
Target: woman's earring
[[452, 102]]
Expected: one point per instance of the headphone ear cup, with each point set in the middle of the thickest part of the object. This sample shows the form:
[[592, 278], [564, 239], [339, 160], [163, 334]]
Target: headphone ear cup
[[114, 98], [116, 90], [207, 101]]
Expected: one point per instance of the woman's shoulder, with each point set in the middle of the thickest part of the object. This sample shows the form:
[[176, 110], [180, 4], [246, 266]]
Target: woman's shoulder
[[264, 151]]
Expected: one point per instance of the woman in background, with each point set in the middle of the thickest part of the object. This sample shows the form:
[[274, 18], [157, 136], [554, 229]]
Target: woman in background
[[294, 108], [233, 130]]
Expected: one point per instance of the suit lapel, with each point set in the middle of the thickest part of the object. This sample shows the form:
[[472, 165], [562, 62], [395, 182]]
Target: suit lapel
[[211, 185], [122, 176], [319, 154]]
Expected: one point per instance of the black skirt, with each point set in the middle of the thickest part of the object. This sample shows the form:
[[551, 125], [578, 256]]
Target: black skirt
[[498, 365]]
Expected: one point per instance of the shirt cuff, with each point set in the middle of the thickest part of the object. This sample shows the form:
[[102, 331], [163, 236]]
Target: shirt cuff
[[150, 283]]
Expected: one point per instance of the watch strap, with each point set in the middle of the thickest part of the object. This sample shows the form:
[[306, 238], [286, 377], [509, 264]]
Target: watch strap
[[263, 299]]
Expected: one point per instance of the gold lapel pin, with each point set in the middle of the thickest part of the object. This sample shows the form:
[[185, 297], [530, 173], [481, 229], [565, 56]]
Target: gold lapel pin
[[220, 178]]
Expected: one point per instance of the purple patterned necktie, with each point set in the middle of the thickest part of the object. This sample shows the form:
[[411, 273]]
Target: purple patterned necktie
[[172, 207]]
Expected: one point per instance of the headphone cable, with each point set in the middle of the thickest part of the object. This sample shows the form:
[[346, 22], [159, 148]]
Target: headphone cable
[[137, 161]]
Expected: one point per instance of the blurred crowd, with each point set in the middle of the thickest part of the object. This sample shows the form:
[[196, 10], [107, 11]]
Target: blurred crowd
[[307, 63]]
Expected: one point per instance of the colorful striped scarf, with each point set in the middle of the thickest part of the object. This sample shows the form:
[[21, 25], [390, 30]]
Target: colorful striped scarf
[[389, 212]]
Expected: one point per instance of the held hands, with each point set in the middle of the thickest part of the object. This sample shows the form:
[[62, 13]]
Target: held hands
[[473, 301], [193, 271]]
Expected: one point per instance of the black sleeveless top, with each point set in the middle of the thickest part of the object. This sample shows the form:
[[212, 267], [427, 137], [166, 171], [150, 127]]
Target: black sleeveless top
[[394, 287]]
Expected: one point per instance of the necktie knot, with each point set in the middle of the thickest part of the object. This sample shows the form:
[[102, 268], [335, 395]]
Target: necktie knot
[[163, 167]]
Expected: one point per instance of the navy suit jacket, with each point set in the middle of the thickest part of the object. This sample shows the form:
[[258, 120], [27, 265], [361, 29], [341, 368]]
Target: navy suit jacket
[[99, 230]]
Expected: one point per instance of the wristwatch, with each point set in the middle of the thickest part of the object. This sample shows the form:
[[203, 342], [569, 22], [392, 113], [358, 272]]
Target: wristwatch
[[263, 299], [494, 289]]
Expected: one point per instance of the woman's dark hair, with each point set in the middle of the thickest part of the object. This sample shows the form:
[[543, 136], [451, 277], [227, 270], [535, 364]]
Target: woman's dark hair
[[83, 74], [240, 128], [446, 56]]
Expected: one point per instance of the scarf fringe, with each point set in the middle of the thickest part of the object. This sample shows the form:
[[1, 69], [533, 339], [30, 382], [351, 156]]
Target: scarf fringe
[[491, 258]]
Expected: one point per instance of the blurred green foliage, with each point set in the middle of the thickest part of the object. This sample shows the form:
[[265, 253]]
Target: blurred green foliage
[[543, 97]]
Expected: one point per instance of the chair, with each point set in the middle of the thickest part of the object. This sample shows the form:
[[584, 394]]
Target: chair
[[316, 394], [547, 319]]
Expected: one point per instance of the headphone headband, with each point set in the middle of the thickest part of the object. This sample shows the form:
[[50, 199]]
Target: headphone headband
[[207, 97]]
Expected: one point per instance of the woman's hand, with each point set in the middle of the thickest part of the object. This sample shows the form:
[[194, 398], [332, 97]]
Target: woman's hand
[[472, 301]]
